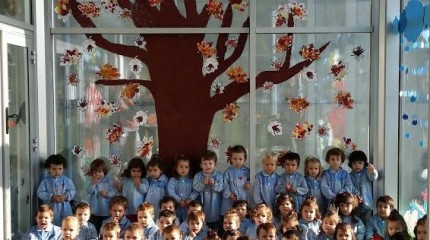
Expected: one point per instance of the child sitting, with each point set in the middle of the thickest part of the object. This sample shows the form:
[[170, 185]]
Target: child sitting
[[196, 223], [310, 222], [165, 219], [231, 220], [420, 229], [375, 228], [328, 226], [145, 217], [110, 231], [266, 231], [347, 204], [44, 228], [260, 214], [231, 235], [172, 232], [70, 228], [118, 207], [241, 207], [291, 235], [396, 223], [134, 232], [87, 231], [192, 206], [344, 231]]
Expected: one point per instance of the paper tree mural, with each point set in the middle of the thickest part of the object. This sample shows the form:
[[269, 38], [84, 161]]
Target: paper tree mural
[[181, 89]]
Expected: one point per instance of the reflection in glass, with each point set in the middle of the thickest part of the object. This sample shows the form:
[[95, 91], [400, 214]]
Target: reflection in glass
[[17, 9]]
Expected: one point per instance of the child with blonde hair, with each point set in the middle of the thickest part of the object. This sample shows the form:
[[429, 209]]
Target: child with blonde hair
[[145, 217], [259, 214], [70, 228], [172, 232], [231, 220], [134, 232], [110, 231], [44, 228], [266, 181], [313, 171], [328, 226]]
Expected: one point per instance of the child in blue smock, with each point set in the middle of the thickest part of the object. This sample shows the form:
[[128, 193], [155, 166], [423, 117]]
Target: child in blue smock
[[209, 184], [377, 223], [241, 207], [266, 181], [145, 217], [118, 208], [347, 204], [328, 226], [180, 186], [44, 229], [292, 182], [236, 178], [362, 176], [313, 171], [134, 186], [56, 189], [157, 183], [310, 218]]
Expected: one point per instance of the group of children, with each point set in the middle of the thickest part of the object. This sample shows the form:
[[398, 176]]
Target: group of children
[[321, 204]]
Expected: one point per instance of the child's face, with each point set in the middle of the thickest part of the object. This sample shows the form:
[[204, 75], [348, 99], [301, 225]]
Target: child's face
[[290, 166], [237, 159], [230, 223], [269, 165], [267, 235], [163, 222], [133, 235], [154, 172], [43, 219], [242, 211], [144, 218], [55, 170], [357, 166], [313, 169], [98, 174], [421, 232], [308, 213], [167, 206], [335, 161], [183, 168], [175, 235], [328, 226], [207, 165], [69, 230], [117, 212], [383, 210], [260, 217], [345, 208], [195, 226], [394, 227], [343, 235], [110, 235], [136, 173], [83, 215], [285, 207]]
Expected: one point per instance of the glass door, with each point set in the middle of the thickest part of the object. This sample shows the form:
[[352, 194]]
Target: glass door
[[17, 145]]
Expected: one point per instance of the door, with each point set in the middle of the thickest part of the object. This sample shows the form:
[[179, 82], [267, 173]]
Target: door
[[18, 149]]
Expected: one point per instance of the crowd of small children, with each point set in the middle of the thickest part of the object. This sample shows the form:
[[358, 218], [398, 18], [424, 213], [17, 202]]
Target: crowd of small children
[[146, 204]]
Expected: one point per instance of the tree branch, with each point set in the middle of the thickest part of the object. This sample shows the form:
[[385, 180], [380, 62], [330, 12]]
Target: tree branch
[[146, 83], [191, 11], [287, 60], [173, 17], [222, 37], [125, 4], [203, 17]]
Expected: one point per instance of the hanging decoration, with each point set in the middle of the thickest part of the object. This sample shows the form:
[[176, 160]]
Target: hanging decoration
[[338, 71], [89, 46], [215, 9], [78, 151], [309, 75], [358, 53], [115, 160], [323, 130], [82, 104], [345, 100], [130, 91], [140, 43], [217, 88], [114, 133], [267, 87], [108, 72], [302, 130], [70, 57], [105, 108], [215, 142], [237, 74], [89, 9], [144, 147], [230, 112], [275, 128], [62, 9], [72, 79], [298, 104]]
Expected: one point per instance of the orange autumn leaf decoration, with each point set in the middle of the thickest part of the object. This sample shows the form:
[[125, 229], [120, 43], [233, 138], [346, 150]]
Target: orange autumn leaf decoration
[[108, 72], [344, 99], [130, 90], [237, 74], [309, 52], [230, 112], [206, 49], [298, 104], [302, 130]]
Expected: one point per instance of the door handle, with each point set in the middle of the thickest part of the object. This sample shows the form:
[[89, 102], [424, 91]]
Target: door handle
[[9, 117]]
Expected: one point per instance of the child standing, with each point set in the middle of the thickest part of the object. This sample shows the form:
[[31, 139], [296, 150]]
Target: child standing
[[196, 223], [420, 229], [56, 189], [180, 186], [344, 231], [241, 207], [110, 231], [134, 186], [266, 181], [376, 226], [347, 204], [209, 184], [157, 183], [44, 230], [145, 217], [101, 189], [292, 182], [313, 171], [260, 214], [328, 226], [310, 222], [87, 231], [362, 176], [118, 207], [236, 178], [70, 228]]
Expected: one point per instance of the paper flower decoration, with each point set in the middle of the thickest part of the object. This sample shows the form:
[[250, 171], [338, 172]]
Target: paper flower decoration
[[215, 142], [82, 104], [85, 169], [130, 91], [125, 14], [283, 43], [237, 74], [135, 66], [231, 43], [310, 52], [72, 79], [140, 43], [154, 3], [108, 72], [140, 119], [239, 5], [348, 145], [144, 147], [109, 5], [281, 15], [63, 10], [298, 10], [78, 151], [89, 46], [209, 65], [206, 49], [217, 88], [267, 87], [70, 57], [230, 112], [114, 133], [298, 104], [358, 53], [302, 130], [89, 9], [276, 65], [338, 71], [309, 74], [323, 130], [105, 108], [214, 8], [275, 128], [115, 160], [345, 100]]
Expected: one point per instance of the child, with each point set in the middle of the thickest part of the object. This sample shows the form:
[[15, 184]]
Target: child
[[313, 171], [166, 218], [44, 228], [169, 203], [192, 206], [231, 235], [118, 207], [70, 228], [266, 231], [310, 222], [134, 186], [231, 220], [376, 226], [172, 232], [260, 214], [145, 217], [209, 184], [362, 176], [289, 222], [335, 179], [157, 183], [134, 232], [236, 178], [110, 231], [328, 226], [196, 223], [396, 223], [180, 186], [241, 207], [284, 205], [213, 235], [344, 231], [420, 229], [56, 189], [292, 182], [291, 235], [347, 204], [101, 189], [87, 231], [266, 181]]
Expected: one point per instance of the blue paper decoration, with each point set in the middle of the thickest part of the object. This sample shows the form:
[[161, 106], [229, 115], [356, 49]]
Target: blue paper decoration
[[414, 122], [421, 143], [405, 116], [407, 48], [407, 135], [427, 16], [413, 99], [413, 19]]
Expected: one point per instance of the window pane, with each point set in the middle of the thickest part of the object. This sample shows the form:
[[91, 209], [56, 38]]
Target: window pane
[[16, 9]]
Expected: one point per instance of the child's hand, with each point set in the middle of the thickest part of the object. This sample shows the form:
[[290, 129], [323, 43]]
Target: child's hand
[[247, 186], [332, 208], [137, 181], [56, 198], [371, 169], [192, 233], [182, 203], [103, 193], [206, 181], [232, 197], [290, 188], [359, 198], [63, 197], [211, 181]]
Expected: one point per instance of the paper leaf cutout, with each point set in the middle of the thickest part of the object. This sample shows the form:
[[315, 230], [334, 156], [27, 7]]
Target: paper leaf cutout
[[114, 133], [154, 3], [310, 52], [309, 74], [283, 43], [209, 65], [298, 10], [70, 57], [276, 65], [63, 10], [89, 46], [130, 91], [239, 5], [78, 151], [298, 104], [217, 88], [115, 160], [140, 119], [302, 130], [125, 14], [230, 112], [144, 147], [135, 66], [275, 128], [89, 9], [106, 108], [358, 53], [237, 74], [345, 100], [140, 43], [338, 71], [82, 104], [281, 16], [206, 49], [215, 142], [85, 169], [72, 79], [231, 43], [108, 72], [267, 87], [109, 5], [323, 130], [214, 8]]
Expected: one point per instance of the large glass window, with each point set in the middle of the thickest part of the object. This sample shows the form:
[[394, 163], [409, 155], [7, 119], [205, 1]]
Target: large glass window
[[16, 9]]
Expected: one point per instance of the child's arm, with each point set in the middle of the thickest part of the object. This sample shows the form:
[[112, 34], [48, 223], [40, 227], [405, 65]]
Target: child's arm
[[325, 187], [44, 192], [171, 189], [256, 193], [227, 193], [372, 173], [347, 184], [198, 184], [70, 190], [361, 230], [280, 188], [111, 189], [218, 185], [302, 187]]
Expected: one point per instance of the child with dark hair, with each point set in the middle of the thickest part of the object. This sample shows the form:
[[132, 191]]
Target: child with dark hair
[[347, 204], [241, 207], [396, 223], [284, 205], [420, 230], [362, 176], [172, 232], [194, 205], [56, 189], [344, 231], [134, 186], [165, 219], [291, 235], [231, 235], [196, 226], [375, 228], [328, 226], [169, 203], [310, 216], [157, 183], [266, 231], [118, 207]]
